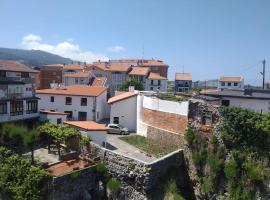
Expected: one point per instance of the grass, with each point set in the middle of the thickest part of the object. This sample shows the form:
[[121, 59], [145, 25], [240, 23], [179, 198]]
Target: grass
[[172, 97], [149, 146]]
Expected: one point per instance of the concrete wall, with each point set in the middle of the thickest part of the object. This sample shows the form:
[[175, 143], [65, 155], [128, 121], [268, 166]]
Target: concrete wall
[[126, 110], [226, 86], [72, 81], [102, 107], [98, 137], [258, 105], [52, 118]]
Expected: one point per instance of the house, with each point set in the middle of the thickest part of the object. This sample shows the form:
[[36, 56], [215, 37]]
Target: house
[[255, 99], [183, 82], [77, 78], [156, 82], [49, 74], [226, 82], [96, 132], [17, 92], [81, 102], [124, 110], [52, 116], [206, 84], [118, 71]]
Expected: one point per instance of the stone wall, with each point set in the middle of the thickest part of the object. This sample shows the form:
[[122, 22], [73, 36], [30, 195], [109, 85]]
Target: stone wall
[[141, 180], [80, 184], [168, 121], [165, 137]]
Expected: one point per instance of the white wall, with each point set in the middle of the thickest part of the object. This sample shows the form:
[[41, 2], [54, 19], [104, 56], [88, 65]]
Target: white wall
[[52, 118], [71, 81], [98, 137], [162, 87], [103, 107], [254, 104], [59, 104], [226, 86], [166, 106], [126, 110]]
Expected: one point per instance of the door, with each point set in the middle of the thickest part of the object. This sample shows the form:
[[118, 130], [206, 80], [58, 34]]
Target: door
[[82, 116]]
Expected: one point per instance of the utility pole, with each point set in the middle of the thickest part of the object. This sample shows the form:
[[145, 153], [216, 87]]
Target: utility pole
[[263, 74]]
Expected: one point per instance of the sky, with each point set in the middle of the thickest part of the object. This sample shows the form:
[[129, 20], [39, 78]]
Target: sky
[[209, 38]]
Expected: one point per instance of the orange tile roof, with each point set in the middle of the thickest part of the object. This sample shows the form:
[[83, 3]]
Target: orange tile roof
[[54, 65], [87, 125], [153, 62], [14, 66], [141, 71], [230, 79], [73, 67], [121, 97], [183, 76], [99, 82], [75, 90], [118, 67], [78, 75], [156, 76]]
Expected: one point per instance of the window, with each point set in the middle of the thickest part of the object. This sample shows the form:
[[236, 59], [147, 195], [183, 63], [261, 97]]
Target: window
[[3, 108], [3, 74], [52, 98], [116, 120], [235, 84], [31, 106], [59, 121], [225, 102], [24, 74], [152, 82], [76, 81], [70, 114], [16, 108], [222, 84], [159, 82], [68, 100], [82, 116], [83, 101], [151, 88], [229, 84]]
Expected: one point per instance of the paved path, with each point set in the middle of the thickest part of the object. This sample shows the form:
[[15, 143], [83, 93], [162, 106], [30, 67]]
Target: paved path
[[117, 145]]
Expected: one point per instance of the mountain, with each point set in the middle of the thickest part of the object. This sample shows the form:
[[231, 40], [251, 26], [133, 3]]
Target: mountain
[[32, 57]]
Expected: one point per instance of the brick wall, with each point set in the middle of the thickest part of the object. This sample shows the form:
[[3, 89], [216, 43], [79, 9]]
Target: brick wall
[[168, 121]]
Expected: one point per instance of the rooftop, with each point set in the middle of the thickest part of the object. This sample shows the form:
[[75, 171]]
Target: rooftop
[[156, 76], [99, 82], [121, 97], [78, 75], [183, 76], [73, 67], [230, 79], [140, 71], [75, 90], [247, 93], [14, 66], [87, 125]]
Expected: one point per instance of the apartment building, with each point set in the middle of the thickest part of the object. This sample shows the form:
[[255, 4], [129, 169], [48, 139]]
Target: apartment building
[[81, 102], [77, 78], [17, 92], [183, 82], [226, 82]]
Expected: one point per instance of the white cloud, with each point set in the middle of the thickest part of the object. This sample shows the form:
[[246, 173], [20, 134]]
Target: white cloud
[[66, 49], [116, 49]]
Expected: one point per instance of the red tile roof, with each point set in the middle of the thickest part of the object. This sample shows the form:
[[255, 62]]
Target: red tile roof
[[156, 76], [99, 82], [78, 75], [121, 97], [14, 66], [230, 79], [139, 71], [87, 125], [183, 76], [75, 90]]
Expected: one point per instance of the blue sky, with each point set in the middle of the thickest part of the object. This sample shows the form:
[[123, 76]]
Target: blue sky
[[208, 38]]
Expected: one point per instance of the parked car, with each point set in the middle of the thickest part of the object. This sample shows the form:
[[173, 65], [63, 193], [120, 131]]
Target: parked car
[[117, 129]]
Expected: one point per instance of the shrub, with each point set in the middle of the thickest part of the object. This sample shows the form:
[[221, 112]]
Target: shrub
[[101, 168], [190, 136], [199, 157], [230, 169], [113, 185], [207, 185], [216, 164]]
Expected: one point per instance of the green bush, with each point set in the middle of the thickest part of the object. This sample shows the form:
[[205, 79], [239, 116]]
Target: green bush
[[113, 185], [131, 82], [216, 164], [171, 190], [101, 168], [207, 185], [230, 169], [190, 136], [199, 157]]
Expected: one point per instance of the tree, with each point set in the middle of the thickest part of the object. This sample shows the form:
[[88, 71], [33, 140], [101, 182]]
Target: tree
[[29, 140], [131, 82]]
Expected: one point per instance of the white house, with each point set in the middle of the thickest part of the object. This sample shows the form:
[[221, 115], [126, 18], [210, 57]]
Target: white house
[[231, 83], [81, 102], [17, 92], [124, 110], [156, 82], [96, 132], [55, 117], [78, 78], [257, 100]]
